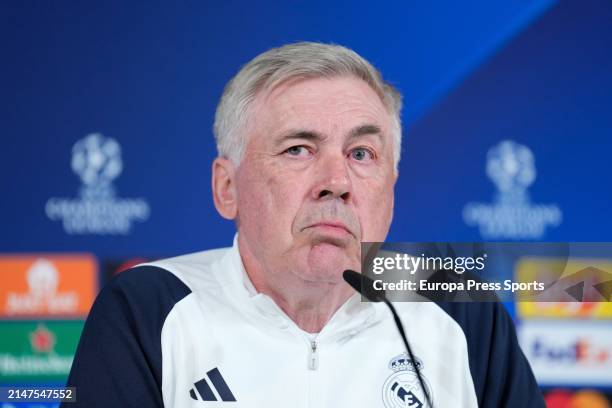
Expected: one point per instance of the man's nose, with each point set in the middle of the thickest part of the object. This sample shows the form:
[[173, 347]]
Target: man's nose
[[333, 179]]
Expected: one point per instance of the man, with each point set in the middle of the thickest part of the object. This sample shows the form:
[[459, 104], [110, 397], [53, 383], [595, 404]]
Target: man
[[309, 141]]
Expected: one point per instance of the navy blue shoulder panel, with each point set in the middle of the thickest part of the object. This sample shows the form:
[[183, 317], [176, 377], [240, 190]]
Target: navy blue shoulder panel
[[501, 374], [118, 362]]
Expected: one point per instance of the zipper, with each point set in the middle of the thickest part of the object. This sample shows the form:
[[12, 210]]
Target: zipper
[[313, 357], [312, 373]]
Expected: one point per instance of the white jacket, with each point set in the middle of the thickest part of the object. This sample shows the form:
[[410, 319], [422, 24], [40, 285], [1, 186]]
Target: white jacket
[[191, 331]]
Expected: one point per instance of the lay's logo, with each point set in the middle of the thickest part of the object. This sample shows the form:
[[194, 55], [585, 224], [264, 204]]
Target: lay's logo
[[582, 289], [47, 286]]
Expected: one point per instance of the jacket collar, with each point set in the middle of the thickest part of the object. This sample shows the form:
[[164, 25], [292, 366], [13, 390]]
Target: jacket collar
[[352, 317]]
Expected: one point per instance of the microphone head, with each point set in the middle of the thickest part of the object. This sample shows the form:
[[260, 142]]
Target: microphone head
[[353, 278], [364, 285]]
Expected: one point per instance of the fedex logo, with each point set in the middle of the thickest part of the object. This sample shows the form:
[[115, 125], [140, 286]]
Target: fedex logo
[[568, 352], [581, 351]]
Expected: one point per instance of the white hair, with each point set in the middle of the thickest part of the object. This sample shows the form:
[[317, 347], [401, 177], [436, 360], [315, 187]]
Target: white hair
[[299, 60]]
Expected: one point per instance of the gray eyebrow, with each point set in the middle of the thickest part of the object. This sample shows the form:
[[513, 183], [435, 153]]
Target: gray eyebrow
[[365, 130], [300, 134], [311, 135]]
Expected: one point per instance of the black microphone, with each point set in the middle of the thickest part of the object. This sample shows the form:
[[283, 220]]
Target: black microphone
[[364, 285]]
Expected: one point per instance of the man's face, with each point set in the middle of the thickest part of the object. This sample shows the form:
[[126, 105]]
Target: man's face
[[316, 178]]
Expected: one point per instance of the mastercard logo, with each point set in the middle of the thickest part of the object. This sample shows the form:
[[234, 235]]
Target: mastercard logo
[[580, 399]]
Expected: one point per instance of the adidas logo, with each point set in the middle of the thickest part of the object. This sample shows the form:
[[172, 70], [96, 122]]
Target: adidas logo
[[206, 393]]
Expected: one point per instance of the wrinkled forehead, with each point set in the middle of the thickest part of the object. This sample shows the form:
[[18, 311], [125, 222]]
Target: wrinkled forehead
[[332, 104]]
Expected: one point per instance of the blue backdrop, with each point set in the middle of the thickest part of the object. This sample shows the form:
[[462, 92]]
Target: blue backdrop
[[535, 73]]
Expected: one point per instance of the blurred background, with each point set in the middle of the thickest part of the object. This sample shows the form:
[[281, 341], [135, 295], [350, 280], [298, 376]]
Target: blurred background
[[107, 111]]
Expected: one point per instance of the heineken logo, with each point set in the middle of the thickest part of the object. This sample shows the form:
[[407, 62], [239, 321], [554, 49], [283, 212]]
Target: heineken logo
[[42, 340], [37, 351]]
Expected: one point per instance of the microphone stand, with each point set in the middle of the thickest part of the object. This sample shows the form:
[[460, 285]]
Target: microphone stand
[[356, 281]]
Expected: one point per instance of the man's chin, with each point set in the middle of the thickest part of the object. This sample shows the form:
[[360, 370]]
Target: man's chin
[[326, 262]]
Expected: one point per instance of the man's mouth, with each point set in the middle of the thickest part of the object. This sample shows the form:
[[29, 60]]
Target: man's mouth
[[333, 228]]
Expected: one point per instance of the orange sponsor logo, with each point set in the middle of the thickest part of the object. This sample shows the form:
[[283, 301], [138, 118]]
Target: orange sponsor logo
[[54, 285]]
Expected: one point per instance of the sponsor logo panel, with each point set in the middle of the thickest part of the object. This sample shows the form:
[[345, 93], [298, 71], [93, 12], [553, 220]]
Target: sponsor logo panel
[[37, 352], [568, 353], [563, 398], [54, 285], [588, 280]]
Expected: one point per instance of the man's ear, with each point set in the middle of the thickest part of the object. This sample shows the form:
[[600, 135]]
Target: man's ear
[[225, 194]]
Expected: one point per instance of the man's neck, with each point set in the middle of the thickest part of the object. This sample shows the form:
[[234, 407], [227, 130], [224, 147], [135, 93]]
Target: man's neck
[[309, 304]]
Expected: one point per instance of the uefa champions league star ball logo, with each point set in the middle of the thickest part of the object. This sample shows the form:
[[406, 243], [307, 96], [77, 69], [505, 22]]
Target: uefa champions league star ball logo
[[511, 167], [97, 161], [402, 388]]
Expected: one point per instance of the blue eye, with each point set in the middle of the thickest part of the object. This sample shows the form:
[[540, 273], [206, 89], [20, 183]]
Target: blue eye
[[297, 151], [361, 154]]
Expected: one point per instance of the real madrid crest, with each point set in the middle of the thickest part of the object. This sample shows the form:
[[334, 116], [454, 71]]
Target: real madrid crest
[[402, 388]]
